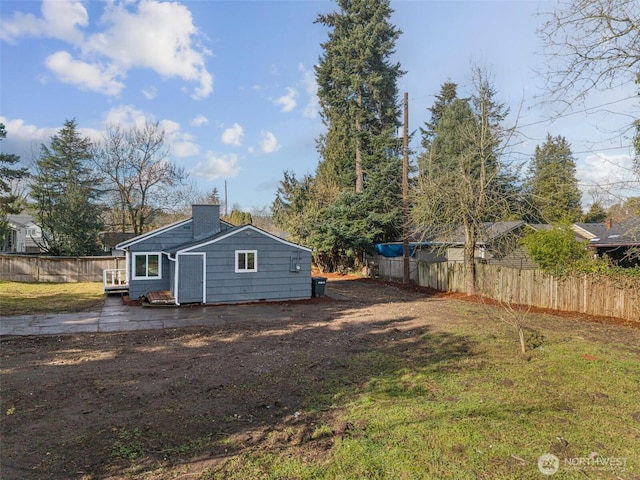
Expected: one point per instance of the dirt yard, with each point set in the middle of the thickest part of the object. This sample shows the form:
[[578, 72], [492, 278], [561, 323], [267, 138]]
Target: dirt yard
[[171, 403]]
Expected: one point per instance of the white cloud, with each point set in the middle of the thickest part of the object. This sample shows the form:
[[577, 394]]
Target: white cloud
[[233, 135], [184, 149], [60, 20], [150, 34], [269, 143], [150, 93], [599, 168], [127, 115], [288, 101], [24, 139], [312, 108], [199, 120], [215, 166], [158, 36], [607, 176], [180, 143], [86, 76]]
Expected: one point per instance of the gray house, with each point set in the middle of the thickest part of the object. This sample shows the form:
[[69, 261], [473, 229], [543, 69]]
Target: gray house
[[206, 260]]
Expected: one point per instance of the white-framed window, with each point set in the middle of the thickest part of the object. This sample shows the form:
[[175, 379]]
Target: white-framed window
[[32, 232], [147, 266], [246, 261]]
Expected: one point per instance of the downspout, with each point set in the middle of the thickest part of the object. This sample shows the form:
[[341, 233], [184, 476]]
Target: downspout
[[127, 272], [175, 275]]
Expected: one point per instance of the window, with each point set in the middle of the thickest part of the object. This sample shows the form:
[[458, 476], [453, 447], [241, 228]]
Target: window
[[147, 266], [246, 261], [32, 232]]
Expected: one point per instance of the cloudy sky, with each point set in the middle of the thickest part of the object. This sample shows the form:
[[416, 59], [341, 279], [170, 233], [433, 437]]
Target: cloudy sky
[[232, 82]]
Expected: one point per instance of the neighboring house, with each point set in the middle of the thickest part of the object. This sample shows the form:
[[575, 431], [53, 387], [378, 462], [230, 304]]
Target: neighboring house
[[206, 260], [498, 243], [109, 241], [24, 235], [618, 241]]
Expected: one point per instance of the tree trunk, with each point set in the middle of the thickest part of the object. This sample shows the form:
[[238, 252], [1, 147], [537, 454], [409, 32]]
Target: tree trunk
[[469, 258], [359, 174], [523, 348]]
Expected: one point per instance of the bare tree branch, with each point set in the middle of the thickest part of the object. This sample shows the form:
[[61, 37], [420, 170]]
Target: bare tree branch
[[590, 45]]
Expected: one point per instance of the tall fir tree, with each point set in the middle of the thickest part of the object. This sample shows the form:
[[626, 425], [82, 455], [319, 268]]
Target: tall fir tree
[[357, 90], [551, 185], [353, 200], [448, 93], [66, 192]]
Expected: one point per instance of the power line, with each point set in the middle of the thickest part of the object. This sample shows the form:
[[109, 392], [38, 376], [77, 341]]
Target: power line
[[586, 110]]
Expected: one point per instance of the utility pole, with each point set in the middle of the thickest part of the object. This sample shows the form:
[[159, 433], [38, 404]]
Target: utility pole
[[405, 192], [225, 199]]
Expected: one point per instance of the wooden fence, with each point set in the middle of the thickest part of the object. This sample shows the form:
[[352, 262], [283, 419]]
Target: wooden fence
[[38, 268], [592, 294]]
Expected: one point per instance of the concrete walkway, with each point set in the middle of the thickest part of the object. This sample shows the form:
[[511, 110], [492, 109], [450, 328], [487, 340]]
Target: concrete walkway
[[116, 317]]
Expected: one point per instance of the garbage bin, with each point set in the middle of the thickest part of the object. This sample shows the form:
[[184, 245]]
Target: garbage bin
[[317, 286]]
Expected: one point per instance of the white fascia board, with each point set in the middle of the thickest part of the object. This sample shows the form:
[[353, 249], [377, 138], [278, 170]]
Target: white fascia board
[[243, 229], [151, 234], [584, 233]]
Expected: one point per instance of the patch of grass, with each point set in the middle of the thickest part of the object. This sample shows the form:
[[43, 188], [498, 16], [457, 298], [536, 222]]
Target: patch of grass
[[466, 405], [128, 445], [39, 298], [322, 431]]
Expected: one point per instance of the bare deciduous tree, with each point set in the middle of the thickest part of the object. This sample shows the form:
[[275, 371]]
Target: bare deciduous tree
[[135, 163], [464, 182]]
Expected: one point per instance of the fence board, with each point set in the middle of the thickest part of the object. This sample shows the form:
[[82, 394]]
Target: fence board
[[38, 268], [586, 293]]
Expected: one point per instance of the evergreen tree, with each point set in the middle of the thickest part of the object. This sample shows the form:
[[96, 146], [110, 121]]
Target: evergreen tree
[[551, 186], [357, 91], [66, 193], [238, 217], [350, 202], [293, 205], [10, 203], [448, 93], [596, 214]]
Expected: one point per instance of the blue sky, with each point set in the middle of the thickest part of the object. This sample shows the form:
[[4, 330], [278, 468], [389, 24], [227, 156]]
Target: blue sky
[[232, 82]]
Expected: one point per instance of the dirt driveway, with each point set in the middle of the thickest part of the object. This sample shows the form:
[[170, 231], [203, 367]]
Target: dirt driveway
[[182, 400]]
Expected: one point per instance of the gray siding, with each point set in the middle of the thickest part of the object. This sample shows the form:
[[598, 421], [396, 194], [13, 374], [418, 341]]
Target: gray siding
[[274, 279], [157, 243]]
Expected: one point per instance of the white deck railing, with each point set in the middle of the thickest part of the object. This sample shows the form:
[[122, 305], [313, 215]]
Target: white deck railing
[[115, 279]]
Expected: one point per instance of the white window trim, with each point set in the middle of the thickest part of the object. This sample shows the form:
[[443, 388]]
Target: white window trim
[[246, 270], [146, 254]]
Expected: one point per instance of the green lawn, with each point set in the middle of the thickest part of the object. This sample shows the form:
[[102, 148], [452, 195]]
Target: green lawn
[[39, 298], [466, 406]]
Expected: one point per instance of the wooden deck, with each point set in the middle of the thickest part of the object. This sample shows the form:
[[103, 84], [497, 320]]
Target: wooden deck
[[115, 281]]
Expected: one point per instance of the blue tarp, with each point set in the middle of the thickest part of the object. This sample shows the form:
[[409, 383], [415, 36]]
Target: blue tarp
[[394, 249]]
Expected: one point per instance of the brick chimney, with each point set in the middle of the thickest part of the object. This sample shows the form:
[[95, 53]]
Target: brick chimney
[[206, 220], [607, 223]]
